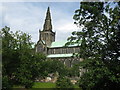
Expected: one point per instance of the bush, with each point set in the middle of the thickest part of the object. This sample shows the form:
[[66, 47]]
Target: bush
[[29, 84], [6, 83], [64, 82]]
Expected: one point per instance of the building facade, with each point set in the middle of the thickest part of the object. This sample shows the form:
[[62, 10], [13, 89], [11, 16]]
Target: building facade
[[55, 50]]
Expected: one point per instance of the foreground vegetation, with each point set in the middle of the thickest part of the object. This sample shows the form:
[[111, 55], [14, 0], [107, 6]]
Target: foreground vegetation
[[22, 66], [100, 44], [100, 51]]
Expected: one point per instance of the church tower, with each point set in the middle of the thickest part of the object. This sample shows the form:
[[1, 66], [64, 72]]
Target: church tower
[[47, 35]]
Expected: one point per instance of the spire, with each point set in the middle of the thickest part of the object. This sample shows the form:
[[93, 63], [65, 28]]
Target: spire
[[47, 24]]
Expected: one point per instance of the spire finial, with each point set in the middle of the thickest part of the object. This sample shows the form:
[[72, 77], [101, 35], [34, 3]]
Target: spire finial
[[48, 8], [48, 16]]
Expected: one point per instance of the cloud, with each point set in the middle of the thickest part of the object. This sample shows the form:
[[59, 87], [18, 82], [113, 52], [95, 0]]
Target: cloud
[[29, 17], [2, 8], [64, 30], [24, 18], [68, 27]]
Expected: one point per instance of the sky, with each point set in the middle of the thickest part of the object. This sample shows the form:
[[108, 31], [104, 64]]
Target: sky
[[29, 17]]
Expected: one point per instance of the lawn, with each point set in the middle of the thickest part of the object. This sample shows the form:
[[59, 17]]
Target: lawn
[[44, 85], [47, 85]]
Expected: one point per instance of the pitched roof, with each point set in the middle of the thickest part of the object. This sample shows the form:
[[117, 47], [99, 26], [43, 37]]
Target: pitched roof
[[61, 44]]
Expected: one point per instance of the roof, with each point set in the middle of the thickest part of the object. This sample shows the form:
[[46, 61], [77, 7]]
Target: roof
[[43, 41], [61, 44], [59, 55]]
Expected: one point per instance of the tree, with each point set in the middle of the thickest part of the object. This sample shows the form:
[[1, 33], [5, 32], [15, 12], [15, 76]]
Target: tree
[[53, 66], [74, 71], [20, 64], [99, 34], [64, 82], [7, 58]]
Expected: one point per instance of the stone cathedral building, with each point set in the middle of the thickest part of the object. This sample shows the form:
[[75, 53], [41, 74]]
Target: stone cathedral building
[[52, 49]]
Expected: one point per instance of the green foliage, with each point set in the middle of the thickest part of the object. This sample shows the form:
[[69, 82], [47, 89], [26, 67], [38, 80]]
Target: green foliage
[[96, 76], [100, 46], [6, 83], [64, 82], [20, 64], [53, 66], [74, 71]]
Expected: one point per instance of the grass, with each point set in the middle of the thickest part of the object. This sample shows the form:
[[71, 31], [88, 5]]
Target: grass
[[76, 86], [44, 85]]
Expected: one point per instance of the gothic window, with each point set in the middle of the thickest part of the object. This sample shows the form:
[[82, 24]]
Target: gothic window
[[74, 50], [67, 50], [40, 48], [54, 51], [60, 50], [71, 51], [51, 51], [63, 50], [57, 51]]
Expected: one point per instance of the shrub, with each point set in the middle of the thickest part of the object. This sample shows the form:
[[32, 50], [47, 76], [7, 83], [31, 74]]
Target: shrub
[[6, 83], [64, 82]]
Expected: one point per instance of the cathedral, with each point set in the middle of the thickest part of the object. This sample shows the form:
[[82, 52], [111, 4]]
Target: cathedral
[[55, 50]]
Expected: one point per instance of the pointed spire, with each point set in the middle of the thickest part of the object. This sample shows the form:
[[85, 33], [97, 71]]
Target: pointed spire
[[47, 24], [48, 16]]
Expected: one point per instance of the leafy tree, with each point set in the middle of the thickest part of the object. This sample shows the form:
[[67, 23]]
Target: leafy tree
[[100, 46], [64, 82], [53, 66], [20, 64], [6, 55], [74, 71]]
